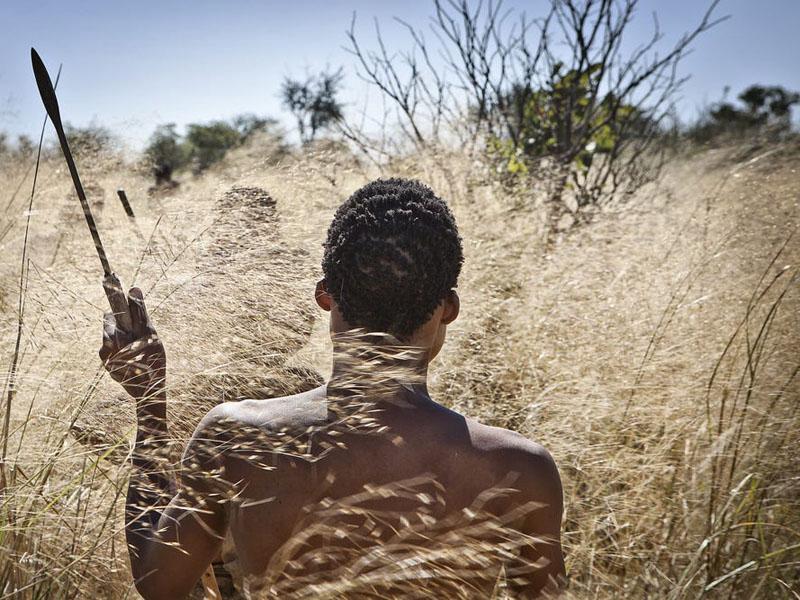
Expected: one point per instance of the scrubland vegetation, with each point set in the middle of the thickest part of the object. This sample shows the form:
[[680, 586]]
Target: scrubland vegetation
[[642, 324], [653, 351]]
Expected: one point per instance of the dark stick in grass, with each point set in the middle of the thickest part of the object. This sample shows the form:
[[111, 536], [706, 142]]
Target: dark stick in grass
[[123, 198]]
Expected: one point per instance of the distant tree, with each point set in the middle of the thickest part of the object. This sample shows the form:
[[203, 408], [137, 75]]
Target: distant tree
[[313, 102], [203, 145], [208, 143], [89, 140], [762, 106], [769, 103], [22, 148], [166, 153], [25, 146], [249, 124]]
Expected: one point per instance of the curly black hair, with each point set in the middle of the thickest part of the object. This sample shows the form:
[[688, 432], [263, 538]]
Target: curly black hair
[[392, 255]]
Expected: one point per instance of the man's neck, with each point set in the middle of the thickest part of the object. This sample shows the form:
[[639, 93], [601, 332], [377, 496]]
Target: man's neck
[[377, 362]]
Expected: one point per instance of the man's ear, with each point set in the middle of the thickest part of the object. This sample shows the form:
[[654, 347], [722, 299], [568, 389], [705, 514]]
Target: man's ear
[[452, 306], [322, 296]]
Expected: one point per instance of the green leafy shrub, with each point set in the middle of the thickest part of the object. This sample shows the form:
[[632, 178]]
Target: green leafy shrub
[[566, 123]]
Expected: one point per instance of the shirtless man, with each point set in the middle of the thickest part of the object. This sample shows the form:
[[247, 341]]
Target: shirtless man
[[391, 263]]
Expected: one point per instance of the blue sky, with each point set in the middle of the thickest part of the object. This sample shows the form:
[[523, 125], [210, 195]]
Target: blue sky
[[133, 65]]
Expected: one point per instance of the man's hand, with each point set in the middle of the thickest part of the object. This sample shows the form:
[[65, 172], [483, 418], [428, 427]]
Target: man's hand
[[136, 359]]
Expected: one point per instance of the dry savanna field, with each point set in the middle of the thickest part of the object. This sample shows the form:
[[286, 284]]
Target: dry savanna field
[[654, 351]]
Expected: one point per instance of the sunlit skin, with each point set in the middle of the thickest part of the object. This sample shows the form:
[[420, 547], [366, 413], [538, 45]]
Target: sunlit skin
[[422, 437]]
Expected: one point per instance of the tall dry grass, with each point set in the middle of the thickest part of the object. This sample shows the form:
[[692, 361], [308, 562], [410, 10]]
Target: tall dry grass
[[654, 352]]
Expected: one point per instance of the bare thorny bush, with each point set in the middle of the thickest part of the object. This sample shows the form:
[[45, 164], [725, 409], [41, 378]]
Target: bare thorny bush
[[560, 98]]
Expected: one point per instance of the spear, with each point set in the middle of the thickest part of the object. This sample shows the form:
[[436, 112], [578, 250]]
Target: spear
[[111, 284]]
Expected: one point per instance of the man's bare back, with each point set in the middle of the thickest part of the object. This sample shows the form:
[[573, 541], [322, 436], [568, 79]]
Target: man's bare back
[[423, 442]]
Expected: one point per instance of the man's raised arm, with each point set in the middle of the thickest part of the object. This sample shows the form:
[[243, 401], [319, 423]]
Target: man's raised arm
[[173, 532]]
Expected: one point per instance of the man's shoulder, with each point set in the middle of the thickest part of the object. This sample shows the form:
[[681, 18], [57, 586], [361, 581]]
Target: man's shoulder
[[496, 439], [283, 412], [516, 454]]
